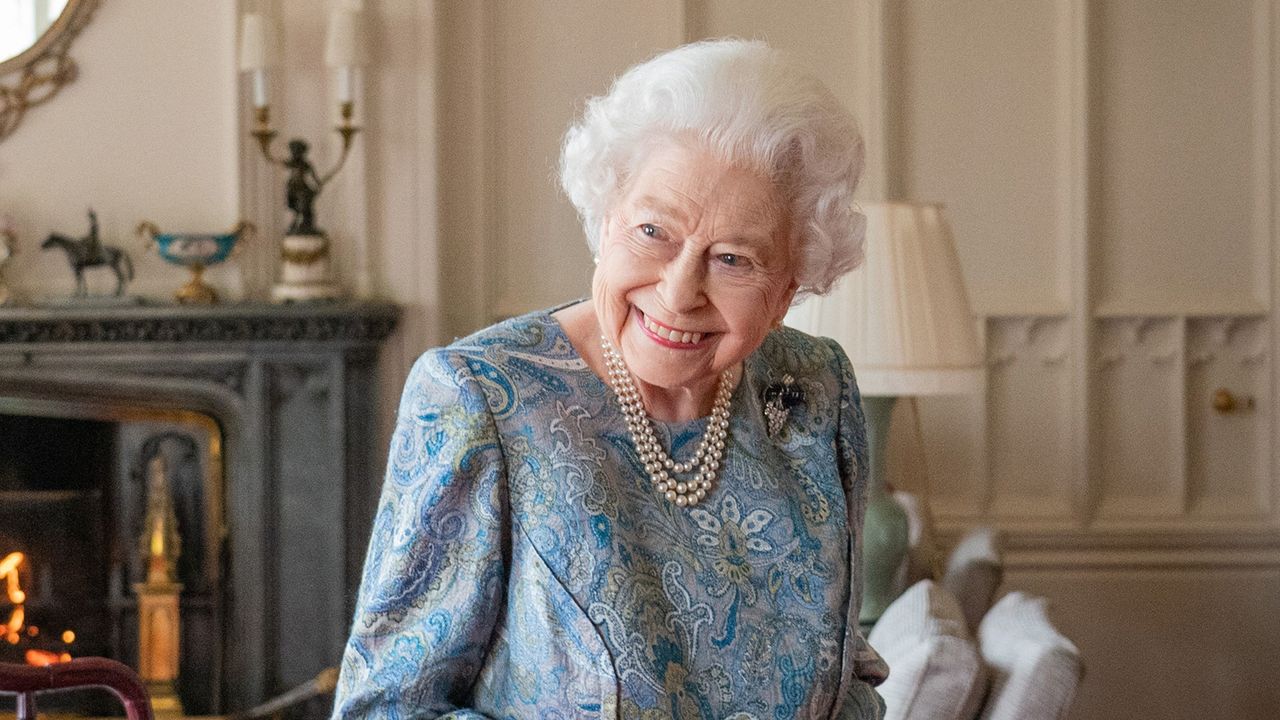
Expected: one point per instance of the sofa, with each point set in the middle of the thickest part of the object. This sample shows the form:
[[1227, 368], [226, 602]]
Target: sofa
[[955, 653]]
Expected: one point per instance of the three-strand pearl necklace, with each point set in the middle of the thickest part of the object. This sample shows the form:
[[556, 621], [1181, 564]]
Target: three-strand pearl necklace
[[661, 468]]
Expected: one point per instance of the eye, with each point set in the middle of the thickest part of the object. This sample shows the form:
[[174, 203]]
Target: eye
[[733, 261], [650, 230]]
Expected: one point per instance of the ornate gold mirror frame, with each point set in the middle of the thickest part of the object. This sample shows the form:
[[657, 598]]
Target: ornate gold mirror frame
[[34, 76]]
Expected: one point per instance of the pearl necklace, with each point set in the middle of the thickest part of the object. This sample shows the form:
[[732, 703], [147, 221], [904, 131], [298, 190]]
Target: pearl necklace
[[657, 463]]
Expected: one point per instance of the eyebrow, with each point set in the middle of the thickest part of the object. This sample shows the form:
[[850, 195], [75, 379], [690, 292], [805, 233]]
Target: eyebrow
[[659, 206]]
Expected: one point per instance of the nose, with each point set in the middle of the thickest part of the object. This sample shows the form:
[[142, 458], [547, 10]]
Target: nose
[[682, 286]]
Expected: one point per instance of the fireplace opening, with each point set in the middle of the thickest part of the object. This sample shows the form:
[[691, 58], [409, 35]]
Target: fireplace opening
[[53, 515], [109, 515]]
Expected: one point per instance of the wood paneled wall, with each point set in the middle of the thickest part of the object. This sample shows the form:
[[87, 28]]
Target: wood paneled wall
[[1110, 171]]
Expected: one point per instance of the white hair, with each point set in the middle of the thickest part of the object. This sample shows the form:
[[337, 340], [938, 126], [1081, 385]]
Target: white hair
[[750, 106]]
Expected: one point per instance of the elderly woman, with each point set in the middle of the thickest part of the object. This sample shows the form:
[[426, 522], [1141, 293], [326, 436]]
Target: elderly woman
[[648, 504]]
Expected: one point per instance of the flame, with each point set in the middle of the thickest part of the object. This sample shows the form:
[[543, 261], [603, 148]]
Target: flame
[[43, 658], [12, 630], [9, 569], [11, 562]]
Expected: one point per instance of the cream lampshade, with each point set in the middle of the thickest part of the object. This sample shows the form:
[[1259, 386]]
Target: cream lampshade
[[903, 317], [905, 322]]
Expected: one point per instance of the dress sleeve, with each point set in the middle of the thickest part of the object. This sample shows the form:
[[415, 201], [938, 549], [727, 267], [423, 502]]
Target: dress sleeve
[[859, 700], [435, 574]]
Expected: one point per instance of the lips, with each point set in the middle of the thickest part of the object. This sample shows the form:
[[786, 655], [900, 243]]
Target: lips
[[668, 334]]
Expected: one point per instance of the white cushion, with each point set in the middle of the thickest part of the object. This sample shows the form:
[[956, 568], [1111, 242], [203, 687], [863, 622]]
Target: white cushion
[[974, 572], [1034, 669], [935, 672]]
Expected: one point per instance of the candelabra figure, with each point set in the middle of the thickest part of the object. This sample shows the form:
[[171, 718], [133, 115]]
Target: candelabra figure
[[301, 191], [304, 256]]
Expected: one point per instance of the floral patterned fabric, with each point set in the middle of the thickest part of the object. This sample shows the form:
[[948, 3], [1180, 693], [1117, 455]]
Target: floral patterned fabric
[[523, 566]]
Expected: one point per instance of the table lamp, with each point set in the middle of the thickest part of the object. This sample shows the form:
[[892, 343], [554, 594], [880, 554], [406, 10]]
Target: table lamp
[[904, 320]]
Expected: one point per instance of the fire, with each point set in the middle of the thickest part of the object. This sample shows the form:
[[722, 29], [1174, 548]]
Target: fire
[[43, 658], [12, 630], [9, 569]]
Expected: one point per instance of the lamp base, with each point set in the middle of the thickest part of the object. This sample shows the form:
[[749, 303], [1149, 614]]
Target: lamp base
[[885, 532], [885, 541]]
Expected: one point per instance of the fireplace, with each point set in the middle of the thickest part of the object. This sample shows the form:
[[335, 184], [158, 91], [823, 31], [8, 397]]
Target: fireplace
[[256, 419], [73, 498]]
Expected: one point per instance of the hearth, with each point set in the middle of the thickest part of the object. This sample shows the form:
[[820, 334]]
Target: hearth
[[257, 419]]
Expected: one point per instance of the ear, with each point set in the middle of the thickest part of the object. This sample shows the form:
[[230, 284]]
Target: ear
[[606, 223], [787, 298]]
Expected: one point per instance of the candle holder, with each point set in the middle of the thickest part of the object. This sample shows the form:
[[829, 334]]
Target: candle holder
[[304, 253], [305, 268]]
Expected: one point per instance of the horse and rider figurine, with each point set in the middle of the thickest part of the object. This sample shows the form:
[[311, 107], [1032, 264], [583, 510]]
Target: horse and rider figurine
[[88, 252]]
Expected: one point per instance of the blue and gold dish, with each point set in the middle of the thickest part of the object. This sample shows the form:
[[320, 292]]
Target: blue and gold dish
[[196, 251]]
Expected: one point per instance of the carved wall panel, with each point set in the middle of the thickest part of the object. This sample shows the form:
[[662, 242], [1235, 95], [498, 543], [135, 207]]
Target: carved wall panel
[[1229, 428], [1029, 410], [1139, 433]]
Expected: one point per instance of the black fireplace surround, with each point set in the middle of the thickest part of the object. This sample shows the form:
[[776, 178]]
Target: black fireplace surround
[[291, 393]]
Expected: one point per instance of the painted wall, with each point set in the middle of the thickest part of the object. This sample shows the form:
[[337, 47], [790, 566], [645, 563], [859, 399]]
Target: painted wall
[[147, 131]]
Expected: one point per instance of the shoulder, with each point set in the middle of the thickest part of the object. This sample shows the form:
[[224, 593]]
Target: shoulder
[[818, 364], [792, 351], [493, 363], [534, 334]]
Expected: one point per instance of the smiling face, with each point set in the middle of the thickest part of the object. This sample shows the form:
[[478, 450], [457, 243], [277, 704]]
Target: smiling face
[[695, 268]]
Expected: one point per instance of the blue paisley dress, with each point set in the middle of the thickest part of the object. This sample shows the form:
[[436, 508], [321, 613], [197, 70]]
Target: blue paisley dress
[[523, 566]]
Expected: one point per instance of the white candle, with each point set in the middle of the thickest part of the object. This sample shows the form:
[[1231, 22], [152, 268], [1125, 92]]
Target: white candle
[[253, 43], [253, 55], [342, 50], [259, 88], [345, 83]]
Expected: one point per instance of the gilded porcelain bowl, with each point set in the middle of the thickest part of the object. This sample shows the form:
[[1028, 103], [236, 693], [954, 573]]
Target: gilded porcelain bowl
[[196, 251]]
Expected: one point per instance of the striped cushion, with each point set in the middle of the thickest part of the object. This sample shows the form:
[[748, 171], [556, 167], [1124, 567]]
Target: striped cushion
[[1034, 669], [935, 672]]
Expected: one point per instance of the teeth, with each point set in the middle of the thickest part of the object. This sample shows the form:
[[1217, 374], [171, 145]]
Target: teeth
[[672, 335]]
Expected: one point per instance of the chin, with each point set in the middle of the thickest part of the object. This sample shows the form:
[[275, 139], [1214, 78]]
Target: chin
[[666, 368]]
